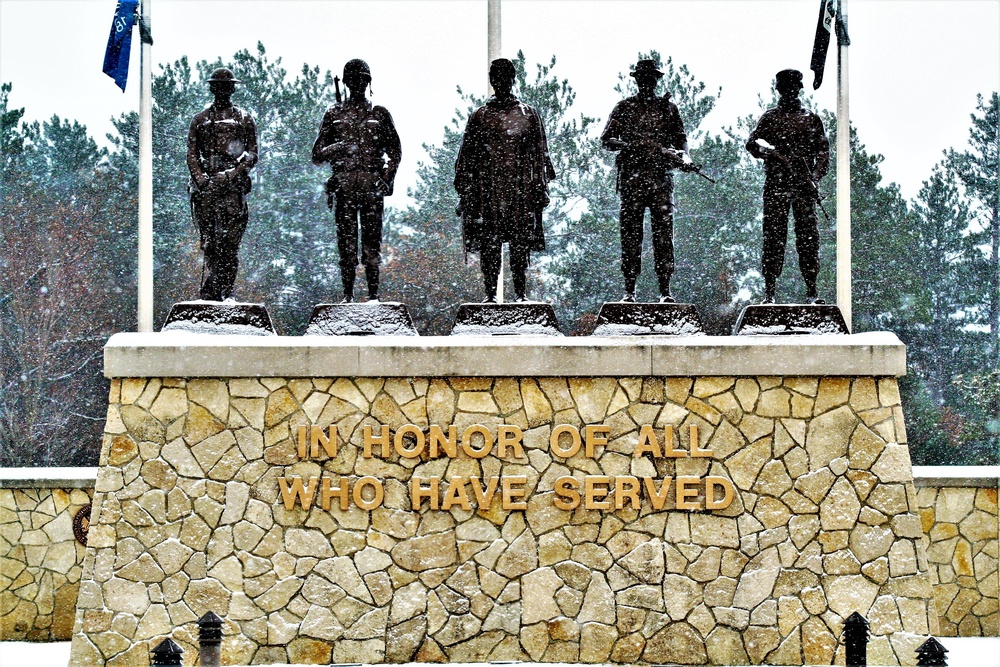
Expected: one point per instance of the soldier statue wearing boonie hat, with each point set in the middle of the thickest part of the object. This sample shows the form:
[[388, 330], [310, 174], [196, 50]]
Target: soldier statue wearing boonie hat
[[647, 132]]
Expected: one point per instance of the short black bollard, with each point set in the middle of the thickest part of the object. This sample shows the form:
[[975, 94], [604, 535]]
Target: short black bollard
[[856, 640], [167, 654], [210, 640], [932, 654]]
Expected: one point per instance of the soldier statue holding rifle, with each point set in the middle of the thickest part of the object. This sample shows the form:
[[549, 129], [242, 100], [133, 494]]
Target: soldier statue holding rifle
[[359, 141], [792, 142], [222, 149], [648, 133]]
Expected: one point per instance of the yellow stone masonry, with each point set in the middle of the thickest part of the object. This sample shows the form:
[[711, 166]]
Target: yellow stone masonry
[[188, 518]]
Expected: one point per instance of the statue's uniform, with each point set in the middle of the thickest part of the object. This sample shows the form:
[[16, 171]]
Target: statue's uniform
[[366, 155], [798, 135], [645, 181], [501, 177], [218, 140]]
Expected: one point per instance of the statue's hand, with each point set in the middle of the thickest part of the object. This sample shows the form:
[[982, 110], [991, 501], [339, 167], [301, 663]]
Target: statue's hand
[[675, 158], [334, 151], [201, 181]]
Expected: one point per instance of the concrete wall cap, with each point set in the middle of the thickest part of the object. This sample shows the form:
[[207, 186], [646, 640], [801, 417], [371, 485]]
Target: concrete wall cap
[[179, 354], [960, 476], [47, 478]]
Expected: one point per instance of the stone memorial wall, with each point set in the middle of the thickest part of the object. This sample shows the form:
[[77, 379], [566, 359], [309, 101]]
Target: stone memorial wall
[[960, 526], [966, 604], [649, 516], [40, 558]]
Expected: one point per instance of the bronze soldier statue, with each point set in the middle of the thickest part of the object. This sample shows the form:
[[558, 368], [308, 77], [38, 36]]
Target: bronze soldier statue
[[359, 141], [222, 149], [796, 153], [648, 132], [501, 177]]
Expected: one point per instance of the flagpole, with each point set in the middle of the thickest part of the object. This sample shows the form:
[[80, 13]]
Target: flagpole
[[145, 297], [843, 170], [492, 53]]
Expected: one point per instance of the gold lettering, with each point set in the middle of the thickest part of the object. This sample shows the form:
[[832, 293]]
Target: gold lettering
[[484, 497], [657, 498], [728, 493], [304, 493], [567, 496], [382, 440], [329, 492], [399, 444], [359, 498], [467, 441], [595, 435], [302, 442], [456, 495], [631, 493], [509, 435], [685, 491], [668, 440], [595, 487], [510, 494], [574, 435], [696, 450], [418, 493], [317, 438], [449, 443], [647, 442]]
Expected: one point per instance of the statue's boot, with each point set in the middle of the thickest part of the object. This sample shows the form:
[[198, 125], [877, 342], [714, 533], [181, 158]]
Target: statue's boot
[[372, 276], [520, 286], [812, 295], [769, 285], [665, 296], [348, 281], [490, 288], [629, 296]]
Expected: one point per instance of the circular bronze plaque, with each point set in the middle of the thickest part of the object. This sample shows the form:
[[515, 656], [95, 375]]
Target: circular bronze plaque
[[81, 522]]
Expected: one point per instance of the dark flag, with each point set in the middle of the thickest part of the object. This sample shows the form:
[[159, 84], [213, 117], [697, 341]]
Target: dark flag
[[824, 26], [120, 42]]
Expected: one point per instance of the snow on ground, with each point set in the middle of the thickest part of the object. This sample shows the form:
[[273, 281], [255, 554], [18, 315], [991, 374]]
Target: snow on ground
[[962, 652]]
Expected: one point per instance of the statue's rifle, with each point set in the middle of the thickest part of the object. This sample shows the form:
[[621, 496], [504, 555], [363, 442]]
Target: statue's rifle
[[678, 156], [336, 89], [800, 172]]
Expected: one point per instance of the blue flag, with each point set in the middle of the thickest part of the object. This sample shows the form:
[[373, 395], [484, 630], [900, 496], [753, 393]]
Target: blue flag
[[120, 42]]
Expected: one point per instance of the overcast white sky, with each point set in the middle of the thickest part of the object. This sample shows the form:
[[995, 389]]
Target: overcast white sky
[[916, 65]]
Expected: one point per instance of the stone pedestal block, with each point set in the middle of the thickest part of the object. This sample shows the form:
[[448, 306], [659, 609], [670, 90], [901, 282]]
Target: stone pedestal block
[[372, 318], [783, 319], [220, 318], [645, 319], [652, 500], [506, 319]]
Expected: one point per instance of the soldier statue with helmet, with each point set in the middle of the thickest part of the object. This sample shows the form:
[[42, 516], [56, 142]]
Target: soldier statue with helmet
[[359, 141], [221, 151], [792, 142]]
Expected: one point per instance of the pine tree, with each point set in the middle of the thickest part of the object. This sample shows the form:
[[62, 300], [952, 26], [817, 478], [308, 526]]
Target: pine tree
[[978, 167]]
